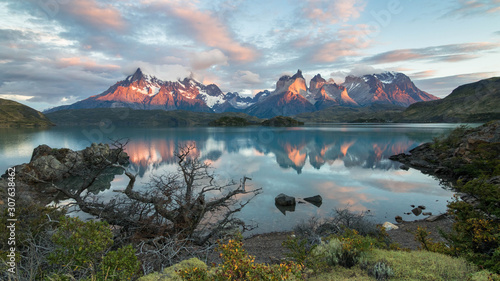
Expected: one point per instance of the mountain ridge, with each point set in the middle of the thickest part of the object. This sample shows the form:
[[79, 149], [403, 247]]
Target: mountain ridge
[[291, 95]]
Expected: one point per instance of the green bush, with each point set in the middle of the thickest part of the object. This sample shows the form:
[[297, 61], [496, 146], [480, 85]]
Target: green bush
[[346, 250], [83, 251], [172, 273]]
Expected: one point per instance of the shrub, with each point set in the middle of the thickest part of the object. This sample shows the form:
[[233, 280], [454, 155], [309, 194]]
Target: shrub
[[237, 265], [345, 250], [382, 271], [83, 250], [171, 273]]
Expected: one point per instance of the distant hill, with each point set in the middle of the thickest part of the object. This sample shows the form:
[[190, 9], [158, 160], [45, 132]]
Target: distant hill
[[475, 102], [14, 114], [139, 118]]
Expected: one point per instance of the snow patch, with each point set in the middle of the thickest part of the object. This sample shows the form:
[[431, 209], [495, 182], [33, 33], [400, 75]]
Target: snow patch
[[210, 100]]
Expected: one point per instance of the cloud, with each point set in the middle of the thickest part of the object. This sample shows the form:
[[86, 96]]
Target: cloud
[[349, 41], [248, 77], [96, 15], [423, 74], [442, 86], [85, 63], [167, 72], [204, 60], [331, 12], [449, 53], [467, 8], [206, 28]]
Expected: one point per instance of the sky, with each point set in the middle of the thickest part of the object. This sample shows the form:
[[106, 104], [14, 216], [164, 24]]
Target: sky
[[56, 52]]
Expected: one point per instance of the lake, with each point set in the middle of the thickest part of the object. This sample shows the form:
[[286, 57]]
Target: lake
[[347, 164]]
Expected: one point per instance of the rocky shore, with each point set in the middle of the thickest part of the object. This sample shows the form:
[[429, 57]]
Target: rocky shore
[[50, 168], [450, 162]]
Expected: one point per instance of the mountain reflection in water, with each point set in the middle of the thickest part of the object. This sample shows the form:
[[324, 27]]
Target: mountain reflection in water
[[347, 165], [291, 149]]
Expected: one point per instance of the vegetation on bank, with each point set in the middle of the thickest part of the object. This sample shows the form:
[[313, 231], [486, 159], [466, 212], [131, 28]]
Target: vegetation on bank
[[139, 118], [475, 165], [475, 102], [346, 245], [282, 121], [14, 114], [230, 121]]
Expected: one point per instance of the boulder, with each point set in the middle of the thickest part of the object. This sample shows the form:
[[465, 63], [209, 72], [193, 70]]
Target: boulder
[[398, 219], [417, 211], [48, 168], [389, 226], [315, 200], [284, 200], [421, 207]]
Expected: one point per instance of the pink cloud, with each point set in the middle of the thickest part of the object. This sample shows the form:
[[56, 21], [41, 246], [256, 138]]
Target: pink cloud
[[209, 29], [97, 15], [350, 40], [330, 12], [84, 63]]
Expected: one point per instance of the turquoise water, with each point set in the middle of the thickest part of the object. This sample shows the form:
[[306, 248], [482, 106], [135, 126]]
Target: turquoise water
[[346, 164]]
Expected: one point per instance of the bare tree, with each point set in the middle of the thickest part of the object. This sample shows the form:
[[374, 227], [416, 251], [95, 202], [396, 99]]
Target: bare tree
[[190, 203]]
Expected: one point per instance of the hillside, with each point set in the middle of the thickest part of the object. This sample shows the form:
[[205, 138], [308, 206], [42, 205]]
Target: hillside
[[14, 114], [475, 102], [139, 118], [371, 114]]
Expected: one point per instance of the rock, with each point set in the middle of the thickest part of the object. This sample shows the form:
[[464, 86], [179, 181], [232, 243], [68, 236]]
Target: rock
[[416, 211], [421, 207], [284, 209], [398, 219], [284, 200], [427, 213], [404, 167], [435, 217], [41, 150], [413, 206], [389, 226], [48, 168], [315, 200]]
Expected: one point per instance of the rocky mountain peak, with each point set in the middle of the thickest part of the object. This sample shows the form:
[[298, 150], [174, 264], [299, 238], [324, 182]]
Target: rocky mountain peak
[[138, 75], [316, 82], [298, 75]]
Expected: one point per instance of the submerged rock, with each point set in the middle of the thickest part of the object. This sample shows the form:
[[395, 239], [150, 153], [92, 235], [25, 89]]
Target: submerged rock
[[315, 200], [284, 200]]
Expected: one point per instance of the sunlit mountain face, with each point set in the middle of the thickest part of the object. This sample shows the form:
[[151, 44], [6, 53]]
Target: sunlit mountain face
[[291, 95]]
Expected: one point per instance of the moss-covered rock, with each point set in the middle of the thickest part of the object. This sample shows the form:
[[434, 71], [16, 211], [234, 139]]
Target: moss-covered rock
[[169, 273]]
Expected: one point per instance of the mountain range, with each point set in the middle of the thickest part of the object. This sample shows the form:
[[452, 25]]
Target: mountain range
[[290, 97]]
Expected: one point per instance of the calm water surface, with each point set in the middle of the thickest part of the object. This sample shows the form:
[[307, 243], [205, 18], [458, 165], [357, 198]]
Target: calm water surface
[[347, 165]]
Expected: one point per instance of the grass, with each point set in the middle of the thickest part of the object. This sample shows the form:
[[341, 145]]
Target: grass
[[423, 265], [14, 114], [414, 265]]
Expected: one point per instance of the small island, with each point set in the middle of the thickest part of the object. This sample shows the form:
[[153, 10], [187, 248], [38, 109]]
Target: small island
[[229, 121], [282, 121]]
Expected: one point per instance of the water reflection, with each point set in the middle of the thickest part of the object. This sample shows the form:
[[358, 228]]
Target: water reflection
[[347, 165], [290, 148]]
